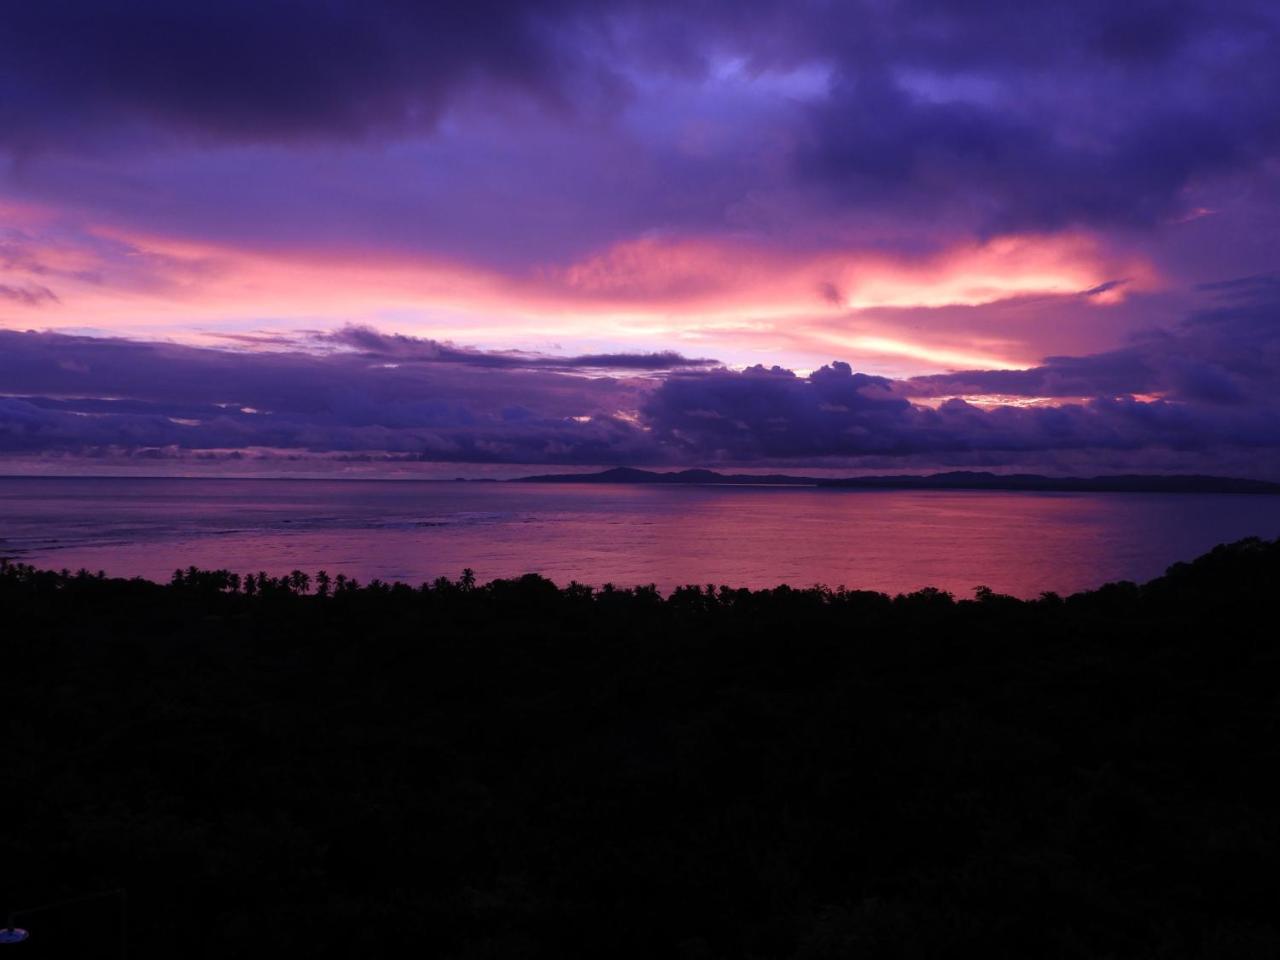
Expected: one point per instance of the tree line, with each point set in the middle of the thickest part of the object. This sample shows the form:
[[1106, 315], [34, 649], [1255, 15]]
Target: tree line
[[304, 764]]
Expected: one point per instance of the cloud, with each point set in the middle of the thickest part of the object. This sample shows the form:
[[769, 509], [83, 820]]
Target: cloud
[[758, 180], [773, 415], [373, 344], [1211, 384], [442, 433], [993, 116], [919, 185], [1030, 117], [249, 70], [1226, 353], [1186, 397], [28, 295], [86, 395], [657, 293]]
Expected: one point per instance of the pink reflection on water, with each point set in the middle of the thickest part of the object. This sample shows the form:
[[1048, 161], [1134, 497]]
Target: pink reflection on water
[[411, 531]]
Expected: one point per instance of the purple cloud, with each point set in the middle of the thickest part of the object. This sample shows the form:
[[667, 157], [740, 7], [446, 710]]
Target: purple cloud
[[27, 295], [87, 395], [524, 143], [1013, 117], [1223, 354], [774, 415], [253, 71], [373, 344], [778, 118], [381, 395]]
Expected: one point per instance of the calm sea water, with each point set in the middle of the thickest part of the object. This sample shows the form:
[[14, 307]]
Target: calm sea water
[[1018, 543]]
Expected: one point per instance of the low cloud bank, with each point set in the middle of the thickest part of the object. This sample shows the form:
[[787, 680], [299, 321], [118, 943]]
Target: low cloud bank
[[1204, 394]]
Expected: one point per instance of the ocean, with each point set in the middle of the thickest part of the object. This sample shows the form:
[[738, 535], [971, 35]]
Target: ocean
[[411, 531]]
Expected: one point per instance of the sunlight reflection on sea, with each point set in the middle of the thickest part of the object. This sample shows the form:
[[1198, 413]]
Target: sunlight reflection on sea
[[1020, 543]]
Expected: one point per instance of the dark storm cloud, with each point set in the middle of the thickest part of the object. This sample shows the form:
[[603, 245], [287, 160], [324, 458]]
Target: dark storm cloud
[[1227, 353], [1217, 376], [296, 380], [441, 433], [85, 395], [1038, 116], [1111, 374], [255, 70], [373, 344], [761, 414], [1002, 115]]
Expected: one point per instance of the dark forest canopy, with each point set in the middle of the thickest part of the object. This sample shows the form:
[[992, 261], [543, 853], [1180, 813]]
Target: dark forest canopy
[[314, 767]]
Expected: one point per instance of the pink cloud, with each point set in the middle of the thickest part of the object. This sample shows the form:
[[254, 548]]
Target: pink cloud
[[728, 294]]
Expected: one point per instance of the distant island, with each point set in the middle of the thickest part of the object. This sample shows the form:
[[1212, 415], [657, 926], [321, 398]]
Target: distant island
[[632, 475], [953, 480]]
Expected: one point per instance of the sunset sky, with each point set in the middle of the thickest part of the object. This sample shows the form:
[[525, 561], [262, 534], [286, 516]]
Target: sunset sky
[[396, 238]]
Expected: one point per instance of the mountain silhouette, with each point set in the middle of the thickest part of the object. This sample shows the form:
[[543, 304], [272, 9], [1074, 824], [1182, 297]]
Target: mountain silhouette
[[952, 480]]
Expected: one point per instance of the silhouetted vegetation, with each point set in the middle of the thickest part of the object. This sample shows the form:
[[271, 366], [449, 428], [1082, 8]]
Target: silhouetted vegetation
[[307, 766]]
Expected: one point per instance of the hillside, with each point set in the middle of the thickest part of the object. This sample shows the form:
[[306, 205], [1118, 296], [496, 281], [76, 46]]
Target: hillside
[[517, 770]]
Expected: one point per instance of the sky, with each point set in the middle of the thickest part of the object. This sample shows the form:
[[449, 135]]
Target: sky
[[398, 238]]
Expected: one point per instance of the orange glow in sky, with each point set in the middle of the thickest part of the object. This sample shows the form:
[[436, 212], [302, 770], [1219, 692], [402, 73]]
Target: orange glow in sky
[[726, 298]]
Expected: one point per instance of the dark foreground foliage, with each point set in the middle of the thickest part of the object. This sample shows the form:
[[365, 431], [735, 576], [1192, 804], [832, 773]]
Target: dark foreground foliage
[[304, 768]]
